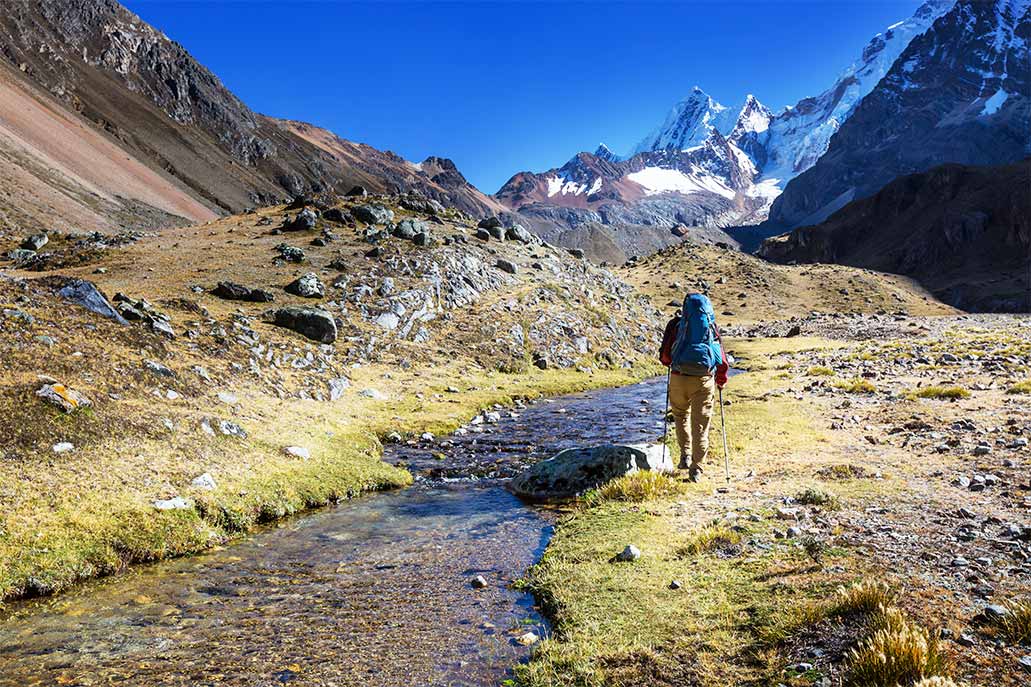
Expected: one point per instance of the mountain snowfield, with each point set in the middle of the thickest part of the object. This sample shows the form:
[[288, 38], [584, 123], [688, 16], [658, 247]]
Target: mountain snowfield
[[729, 163]]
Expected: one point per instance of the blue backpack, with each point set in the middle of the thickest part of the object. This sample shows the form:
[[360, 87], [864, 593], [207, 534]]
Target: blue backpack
[[696, 351]]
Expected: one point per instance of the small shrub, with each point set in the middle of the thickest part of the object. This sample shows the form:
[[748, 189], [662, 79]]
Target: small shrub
[[640, 486], [866, 596], [842, 472], [1015, 626], [942, 392], [901, 653], [708, 538], [820, 371], [857, 386], [814, 496], [1020, 387]]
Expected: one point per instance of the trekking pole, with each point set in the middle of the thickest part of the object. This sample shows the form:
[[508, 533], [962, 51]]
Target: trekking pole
[[665, 418], [726, 451]]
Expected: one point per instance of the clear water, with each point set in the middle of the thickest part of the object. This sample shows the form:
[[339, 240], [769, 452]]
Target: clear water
[[373, 592]]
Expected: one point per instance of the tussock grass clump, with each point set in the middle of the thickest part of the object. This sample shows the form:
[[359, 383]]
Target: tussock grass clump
[[865, 596], [643, 485], [1015, 626], [708, 538], [1023, 387], [820, 371], [856, 386], [900, 653], [942, 392], [814, 496], [936, 681]]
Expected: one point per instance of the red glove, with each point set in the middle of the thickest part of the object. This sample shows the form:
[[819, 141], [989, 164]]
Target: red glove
[[721, 375], [724, 365]]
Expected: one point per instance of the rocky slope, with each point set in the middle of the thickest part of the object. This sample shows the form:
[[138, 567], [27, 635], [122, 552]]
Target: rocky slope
[[197, 149], [957, 93], [964, 232]]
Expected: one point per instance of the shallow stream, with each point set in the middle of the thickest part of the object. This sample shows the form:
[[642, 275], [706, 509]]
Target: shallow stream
[[374, 592]]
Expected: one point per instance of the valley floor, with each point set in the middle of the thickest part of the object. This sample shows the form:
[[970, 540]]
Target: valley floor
[[900, 460]]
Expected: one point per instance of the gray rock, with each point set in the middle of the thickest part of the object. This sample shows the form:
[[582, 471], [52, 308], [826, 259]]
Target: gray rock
[[63, 447], [374, 394], [237, 292], [576, 253], [158, 369], [506, 266], [517, 232], [231, 429], [479, 582], [489, 223], [337, 387], [314, 323], [357, 192], [35, 242], [63, 397], [373, 213], [577, 470], [307, 286], [87, 295], [290, 253], [409, 228], [388, 321], [629, 554], [306, 219], [483, 234], [423, 238]]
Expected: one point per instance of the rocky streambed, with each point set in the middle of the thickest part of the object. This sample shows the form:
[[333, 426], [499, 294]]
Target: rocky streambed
[[382, 590]]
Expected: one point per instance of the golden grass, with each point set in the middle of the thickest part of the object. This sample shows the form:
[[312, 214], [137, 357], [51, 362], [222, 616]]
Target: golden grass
[[865, 596], [643, 485], [898, 652], [856, 386], [708, 538], [1023, 387], [941, 392], [1015, 626], [820, 371]]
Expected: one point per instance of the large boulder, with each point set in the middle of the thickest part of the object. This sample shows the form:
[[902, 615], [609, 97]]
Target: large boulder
[[35, 242], [373, 213], [574, 471], [237, 292], [305, 219], [86, 294], [314, 323], [409, 228]]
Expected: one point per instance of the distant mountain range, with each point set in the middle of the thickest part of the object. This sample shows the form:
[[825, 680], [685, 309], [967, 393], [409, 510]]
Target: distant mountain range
[[709, 165]]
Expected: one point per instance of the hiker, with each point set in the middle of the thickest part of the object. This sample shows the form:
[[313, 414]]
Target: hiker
[[693, 352]]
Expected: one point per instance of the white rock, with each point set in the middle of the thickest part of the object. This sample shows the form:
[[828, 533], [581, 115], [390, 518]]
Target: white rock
[[298, 452], [528, 639], [337, 387], [205, 482], [374, 394], [629, 554], [63, 447], [175, 503], [228, 397]]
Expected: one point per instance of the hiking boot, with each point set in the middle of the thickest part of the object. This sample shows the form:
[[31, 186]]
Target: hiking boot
[[683, 464], [694, 473]]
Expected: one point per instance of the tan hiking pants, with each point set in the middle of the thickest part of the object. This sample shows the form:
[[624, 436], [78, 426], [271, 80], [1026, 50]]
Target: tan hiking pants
[[688, 394]]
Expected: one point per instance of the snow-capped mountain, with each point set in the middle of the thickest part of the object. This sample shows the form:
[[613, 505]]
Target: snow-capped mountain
[[957, 93], [797, 137], [709, 164]]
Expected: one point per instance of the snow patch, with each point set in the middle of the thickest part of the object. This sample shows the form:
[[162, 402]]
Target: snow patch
[[992, 105], [656, 180]]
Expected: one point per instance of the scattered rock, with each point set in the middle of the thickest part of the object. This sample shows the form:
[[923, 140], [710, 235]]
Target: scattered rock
[[528, 639], [629, 554], [62, 397], [297, 452], [479, 582], [63, 447], [307, 286], [337, 387], [158, 369], [174, 503], [86, 294], [506, 266], [373, 213], [237, 292], [35, 242], [290, 253], [314, 323], [306, 219], [204, 482]]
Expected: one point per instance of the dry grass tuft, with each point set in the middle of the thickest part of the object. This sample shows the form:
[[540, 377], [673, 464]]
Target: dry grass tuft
[[643, 485], [820, 371], [1023, 387], [865, 596], [857, 386], [899, 652], [1015, 626], [708, 538], [814, 496], [942, 392], [936, 681]]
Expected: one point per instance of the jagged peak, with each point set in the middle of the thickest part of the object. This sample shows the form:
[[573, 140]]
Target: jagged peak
[[605, 153]]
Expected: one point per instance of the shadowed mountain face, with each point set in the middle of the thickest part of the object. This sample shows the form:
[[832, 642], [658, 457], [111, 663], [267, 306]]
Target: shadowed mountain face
[[958, 93], [146, 99], [964, 232]]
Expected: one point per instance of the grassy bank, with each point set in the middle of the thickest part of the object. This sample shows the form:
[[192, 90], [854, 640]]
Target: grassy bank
[[66, 520], [741, 590]]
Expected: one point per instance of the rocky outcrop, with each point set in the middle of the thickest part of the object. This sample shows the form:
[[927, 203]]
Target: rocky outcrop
[[963, 232], [957, 93], [575, 471]]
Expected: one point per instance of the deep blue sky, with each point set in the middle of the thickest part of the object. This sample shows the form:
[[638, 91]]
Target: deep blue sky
[[503, 87]]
